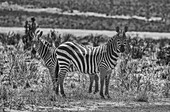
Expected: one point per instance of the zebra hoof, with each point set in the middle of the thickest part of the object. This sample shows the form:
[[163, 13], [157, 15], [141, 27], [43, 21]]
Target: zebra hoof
[[63, 95], [109, 97], [90, 91], [102, 96], [57, 93], [53, 98], [95, 91]]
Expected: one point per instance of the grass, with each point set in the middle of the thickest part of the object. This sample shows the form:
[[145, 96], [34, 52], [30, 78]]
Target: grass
[[132, 80]]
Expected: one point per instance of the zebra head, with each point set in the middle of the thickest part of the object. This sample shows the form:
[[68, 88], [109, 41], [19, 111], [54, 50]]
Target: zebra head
[[36, 38], [119, 42], [40, 45], [35, 43]]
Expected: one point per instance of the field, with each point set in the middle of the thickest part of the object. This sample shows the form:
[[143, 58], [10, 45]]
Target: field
[[137, 83], [140, 81]]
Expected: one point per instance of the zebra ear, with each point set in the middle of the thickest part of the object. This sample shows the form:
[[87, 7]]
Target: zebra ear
[[39, 35], [125, 29], [117, 29], [37, 31]]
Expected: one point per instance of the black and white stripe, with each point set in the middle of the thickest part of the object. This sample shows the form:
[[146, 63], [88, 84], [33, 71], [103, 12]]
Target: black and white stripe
[[49, 56], [91, 60]]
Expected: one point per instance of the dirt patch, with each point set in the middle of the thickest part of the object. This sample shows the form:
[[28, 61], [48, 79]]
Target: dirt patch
[[102, 106]]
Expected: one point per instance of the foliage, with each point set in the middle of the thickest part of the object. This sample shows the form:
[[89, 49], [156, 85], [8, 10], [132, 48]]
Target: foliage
[[143, 77], [46, 20], [114, 7], [26, 81]]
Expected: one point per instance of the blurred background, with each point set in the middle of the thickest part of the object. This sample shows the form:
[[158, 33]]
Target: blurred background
[[139, 15]]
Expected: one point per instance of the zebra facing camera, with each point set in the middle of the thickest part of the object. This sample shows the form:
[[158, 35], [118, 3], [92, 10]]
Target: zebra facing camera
[[122, 48]]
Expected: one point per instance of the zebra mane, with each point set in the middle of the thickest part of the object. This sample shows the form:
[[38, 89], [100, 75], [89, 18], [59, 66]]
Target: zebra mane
[[44, 43], [47, 44], [111, 39]]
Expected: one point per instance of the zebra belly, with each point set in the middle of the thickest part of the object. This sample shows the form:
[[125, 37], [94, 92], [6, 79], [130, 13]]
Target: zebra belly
[[89, 67]]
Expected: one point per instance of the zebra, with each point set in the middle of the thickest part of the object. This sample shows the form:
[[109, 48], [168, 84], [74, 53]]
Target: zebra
[[92, 60], [49, 56], [93, 78]]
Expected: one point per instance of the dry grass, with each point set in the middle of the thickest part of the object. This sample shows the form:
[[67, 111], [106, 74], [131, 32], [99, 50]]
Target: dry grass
[[26, 83]]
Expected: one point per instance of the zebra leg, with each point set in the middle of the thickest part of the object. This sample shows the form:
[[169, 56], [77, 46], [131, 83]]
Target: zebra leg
[[57, 88], [60, 81], [102, 75], [91, 83], [54, 81], [55, 84], [107, 80], [96, 78], [101, 88], [56, 77]]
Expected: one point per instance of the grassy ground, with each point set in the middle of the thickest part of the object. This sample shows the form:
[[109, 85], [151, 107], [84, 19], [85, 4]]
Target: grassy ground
[[119, 103], [136, 85]]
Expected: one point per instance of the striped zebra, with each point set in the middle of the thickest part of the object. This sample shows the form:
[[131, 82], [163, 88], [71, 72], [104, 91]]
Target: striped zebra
[[49, 56], [47, 53], [91, 60], [93, 77]]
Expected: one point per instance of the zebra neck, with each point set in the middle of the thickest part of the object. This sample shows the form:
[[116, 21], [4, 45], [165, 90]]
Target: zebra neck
[[43, 50], [111, 56]]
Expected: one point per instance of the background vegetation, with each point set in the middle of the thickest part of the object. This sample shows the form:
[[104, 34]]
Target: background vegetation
[[113, 7], [144, 8], [142, 75]]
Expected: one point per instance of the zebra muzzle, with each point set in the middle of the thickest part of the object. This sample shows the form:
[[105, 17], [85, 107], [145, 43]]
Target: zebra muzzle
[[122, 48]]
